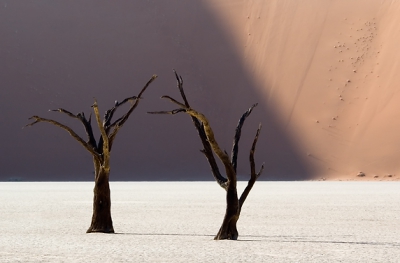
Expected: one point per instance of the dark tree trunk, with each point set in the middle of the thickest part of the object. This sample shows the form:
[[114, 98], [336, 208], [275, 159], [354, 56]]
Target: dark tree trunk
[[234, 205], [101, 219], [228, 228]]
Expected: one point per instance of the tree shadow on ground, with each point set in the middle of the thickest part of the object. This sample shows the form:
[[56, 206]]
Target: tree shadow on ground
[[274, 239], [291, 239]]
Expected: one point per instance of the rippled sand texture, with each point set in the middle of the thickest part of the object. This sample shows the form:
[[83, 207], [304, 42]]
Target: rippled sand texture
[[327, 68], [175, 222]]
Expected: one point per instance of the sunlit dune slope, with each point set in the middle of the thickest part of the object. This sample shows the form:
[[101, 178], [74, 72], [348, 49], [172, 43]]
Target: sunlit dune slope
[[330, 70]]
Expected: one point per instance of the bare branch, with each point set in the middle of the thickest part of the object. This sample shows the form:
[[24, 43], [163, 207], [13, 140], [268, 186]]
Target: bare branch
[[167, 112], [207, 151], [238, 133], [180, 87], [230, 172], [110, 112], [174, 101], [254, 176], [88, 128], [66, 112], [86, 145], [110, 126], [222, 181], [106, 148], [261, 170], [121, 121], [147, 84], [252, 151], [86, 124]]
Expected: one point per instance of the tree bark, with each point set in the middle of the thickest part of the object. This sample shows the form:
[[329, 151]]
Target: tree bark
[[101, 219], [228, 228]]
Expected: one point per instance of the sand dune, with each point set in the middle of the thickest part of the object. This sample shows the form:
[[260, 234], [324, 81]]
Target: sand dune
[[324, 73], [329, 68]]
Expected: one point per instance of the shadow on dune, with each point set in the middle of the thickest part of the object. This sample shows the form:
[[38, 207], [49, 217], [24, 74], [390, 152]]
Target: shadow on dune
[[62, 54]]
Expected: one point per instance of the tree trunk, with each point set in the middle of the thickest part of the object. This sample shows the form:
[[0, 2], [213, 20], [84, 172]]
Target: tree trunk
[[101, 219], [228, 229]]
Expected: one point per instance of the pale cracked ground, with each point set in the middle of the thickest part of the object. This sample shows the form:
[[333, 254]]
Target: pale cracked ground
[[176, 221]]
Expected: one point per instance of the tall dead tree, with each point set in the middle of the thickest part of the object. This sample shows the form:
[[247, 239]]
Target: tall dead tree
[[100, 151], [234, 204]]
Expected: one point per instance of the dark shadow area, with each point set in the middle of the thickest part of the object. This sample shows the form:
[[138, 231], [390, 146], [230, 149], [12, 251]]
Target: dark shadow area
[[63, 53]]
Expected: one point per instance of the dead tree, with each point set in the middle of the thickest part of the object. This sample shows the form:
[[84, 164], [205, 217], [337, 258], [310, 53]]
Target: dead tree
[[234, 204], [100, 151]]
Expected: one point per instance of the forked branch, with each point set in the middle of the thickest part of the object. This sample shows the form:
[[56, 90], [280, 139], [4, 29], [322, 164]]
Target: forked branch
[[135, 101], [207, 151], [106, 151], [254, 176], [238, 133], [86, 145], [86, 124], [112, 128], [230, 172]]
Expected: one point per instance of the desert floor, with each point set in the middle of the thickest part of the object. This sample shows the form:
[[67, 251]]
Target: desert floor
[[176, 221]]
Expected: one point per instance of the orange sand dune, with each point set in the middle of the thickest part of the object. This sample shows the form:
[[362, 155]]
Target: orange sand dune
[[330, 69]]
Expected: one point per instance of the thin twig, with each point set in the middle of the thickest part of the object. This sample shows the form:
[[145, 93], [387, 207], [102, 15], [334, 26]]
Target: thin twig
[[238, 133]]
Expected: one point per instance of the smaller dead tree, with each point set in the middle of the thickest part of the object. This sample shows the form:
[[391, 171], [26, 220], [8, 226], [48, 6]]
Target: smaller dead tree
[[234, 204], [100, 151]]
